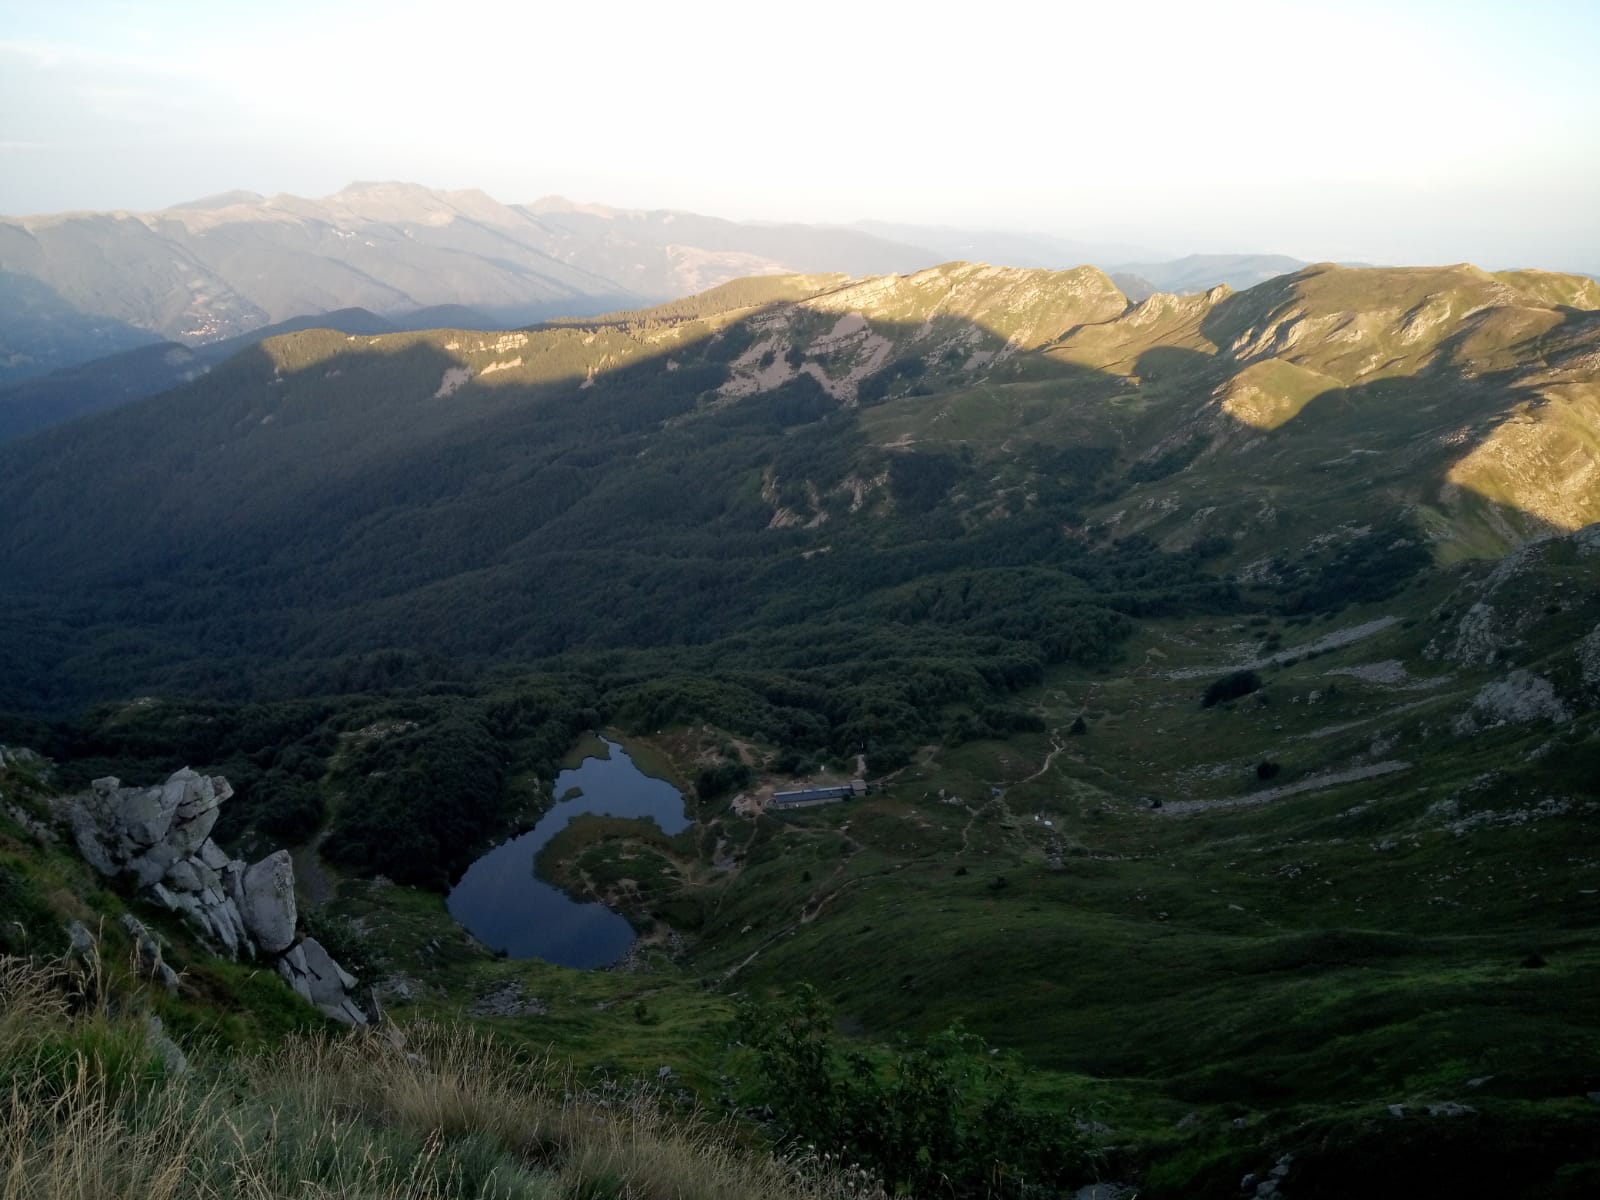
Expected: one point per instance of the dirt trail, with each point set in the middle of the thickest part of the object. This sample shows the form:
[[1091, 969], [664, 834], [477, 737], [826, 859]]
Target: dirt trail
[[819, 899], [1057, 746], [814, 907], [1181, 808], [1386, 714], [966, 830], [1328, 641]]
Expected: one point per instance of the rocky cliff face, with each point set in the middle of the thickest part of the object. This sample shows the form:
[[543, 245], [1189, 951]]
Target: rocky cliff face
[[953, 322], [161, 836]]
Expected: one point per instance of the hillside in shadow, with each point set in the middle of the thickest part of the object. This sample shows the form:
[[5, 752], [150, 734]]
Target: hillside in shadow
[[319, 498], [746, 465], [1060, 577], [40, 330]]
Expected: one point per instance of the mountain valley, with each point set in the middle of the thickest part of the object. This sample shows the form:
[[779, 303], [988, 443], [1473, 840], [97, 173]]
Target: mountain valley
[[1224, 669]]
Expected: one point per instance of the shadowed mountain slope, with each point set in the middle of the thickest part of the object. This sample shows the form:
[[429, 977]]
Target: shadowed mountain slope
[[659, 476], [107, 382]]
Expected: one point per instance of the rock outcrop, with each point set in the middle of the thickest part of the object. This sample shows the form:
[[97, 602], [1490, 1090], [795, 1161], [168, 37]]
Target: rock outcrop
[[1519, 697], [161, 836], [1480, 637], [21, 756], [151, 962], [312, 972]]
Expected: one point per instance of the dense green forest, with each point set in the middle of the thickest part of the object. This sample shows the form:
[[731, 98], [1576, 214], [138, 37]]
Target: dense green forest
[[315, 526], [580, 518], [586, 555]]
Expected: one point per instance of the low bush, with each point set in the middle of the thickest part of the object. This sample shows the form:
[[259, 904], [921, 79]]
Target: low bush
[[943, 1118], [1230, 687]]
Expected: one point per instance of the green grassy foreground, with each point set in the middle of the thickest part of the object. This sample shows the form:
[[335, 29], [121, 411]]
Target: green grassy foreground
[[422, 1111]]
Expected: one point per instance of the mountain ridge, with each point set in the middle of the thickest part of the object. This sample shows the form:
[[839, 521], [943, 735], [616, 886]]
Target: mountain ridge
[[222, 265], [75, 391], [1423, 397], [228, 264]]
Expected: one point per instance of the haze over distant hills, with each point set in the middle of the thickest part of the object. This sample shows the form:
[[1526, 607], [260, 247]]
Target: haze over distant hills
[[79, 286], [1138, 270], [1201, 272], [1009, 248]]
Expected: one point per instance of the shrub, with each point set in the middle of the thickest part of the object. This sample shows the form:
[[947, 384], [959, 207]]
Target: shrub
[[940, 1118], [28, 923], [1230, 687], [723, 777]]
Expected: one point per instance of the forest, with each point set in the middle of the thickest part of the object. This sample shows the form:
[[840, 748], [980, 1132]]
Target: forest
[[577, 549]]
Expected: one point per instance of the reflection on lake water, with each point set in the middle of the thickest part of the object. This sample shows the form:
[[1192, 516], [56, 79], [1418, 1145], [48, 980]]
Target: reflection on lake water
[[506, 907]]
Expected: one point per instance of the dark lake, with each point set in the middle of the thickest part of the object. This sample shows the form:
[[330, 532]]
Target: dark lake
[[506, 907]]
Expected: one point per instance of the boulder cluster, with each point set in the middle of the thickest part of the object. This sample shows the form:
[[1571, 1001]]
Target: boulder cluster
[[161, 836]]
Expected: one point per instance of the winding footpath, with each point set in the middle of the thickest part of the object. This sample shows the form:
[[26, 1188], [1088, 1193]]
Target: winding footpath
[[1316, 783]]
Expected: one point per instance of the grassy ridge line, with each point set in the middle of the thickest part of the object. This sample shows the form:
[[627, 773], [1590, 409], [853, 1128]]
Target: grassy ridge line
[[87, 1109]]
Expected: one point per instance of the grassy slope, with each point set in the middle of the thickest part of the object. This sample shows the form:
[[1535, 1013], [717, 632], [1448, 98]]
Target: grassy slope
[[418, 1110], [1305, 962]]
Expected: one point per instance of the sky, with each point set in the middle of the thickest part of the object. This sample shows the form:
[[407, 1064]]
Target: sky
[[1407, 131]]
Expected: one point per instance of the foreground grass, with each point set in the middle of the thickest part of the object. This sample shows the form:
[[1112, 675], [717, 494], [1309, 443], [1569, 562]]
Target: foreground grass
[[88, 1109]]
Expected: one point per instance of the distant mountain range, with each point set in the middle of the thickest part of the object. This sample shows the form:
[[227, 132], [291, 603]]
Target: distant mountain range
[[1201, 272], [1007, 248], [1136, 270], [75, 286], [80, 286]]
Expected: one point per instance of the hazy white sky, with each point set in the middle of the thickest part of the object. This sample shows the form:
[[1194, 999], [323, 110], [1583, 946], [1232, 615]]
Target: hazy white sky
[[1415, 131]]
